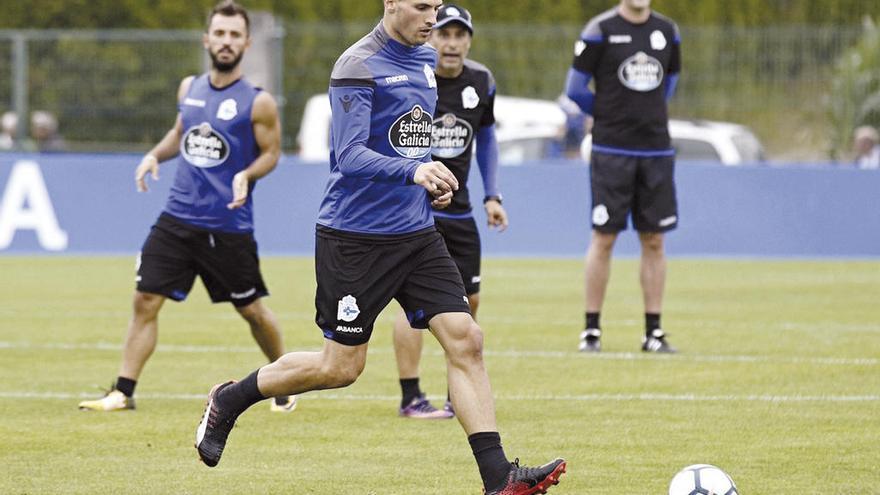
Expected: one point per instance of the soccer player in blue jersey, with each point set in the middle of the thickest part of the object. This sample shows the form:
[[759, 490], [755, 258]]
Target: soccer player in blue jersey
[[633, 56], [376, 241], [226, 137], [465, 115]]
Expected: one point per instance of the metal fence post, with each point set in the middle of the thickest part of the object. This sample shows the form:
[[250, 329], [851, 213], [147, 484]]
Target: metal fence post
[[20, 82], [278, 37]]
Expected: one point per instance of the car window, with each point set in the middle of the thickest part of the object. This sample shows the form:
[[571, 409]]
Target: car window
[[692, 149], [749, 147]]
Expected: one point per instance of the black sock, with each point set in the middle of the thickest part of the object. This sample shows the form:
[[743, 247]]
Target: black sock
[[241, 395], [593, 320], [411, 390], [125, 385], [652, 322], [493, 464], [281, 400]]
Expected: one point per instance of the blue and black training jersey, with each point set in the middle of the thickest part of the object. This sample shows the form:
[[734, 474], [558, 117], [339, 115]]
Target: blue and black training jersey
[[218, 142], [382, 95], [634, 67]]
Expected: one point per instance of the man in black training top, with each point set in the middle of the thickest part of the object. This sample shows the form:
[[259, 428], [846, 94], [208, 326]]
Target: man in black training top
[[465, 115], [632, 54]]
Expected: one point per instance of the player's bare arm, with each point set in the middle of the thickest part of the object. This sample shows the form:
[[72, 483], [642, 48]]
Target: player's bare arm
[[267, 133], [168, 147]]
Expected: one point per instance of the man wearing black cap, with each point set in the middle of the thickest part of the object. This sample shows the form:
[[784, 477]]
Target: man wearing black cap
[[465, 114]]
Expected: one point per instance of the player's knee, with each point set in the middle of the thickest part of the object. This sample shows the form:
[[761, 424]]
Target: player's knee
[[251, 313], [341, 374], [652, 242], [146, 306], [469, 346]]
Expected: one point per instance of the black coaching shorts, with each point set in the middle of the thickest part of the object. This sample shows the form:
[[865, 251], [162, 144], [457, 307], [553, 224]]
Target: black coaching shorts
[[463, 243], [175, 252], [359, 275], [643, 186]]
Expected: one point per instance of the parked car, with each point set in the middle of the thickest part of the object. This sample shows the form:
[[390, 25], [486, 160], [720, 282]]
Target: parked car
[[707, 141], [532, 129], [527, 129]]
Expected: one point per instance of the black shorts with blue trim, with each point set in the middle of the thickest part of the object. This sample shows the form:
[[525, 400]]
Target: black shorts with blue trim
[[624, 184], [358, 275], [176, 252], [463, 243]]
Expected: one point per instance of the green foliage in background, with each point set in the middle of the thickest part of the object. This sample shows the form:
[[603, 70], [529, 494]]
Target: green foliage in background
[[855, 97], [174, 14], [747, 61]]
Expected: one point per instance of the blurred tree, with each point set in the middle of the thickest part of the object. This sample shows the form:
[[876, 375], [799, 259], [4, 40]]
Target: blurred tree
[[855, 96], [174, 14]]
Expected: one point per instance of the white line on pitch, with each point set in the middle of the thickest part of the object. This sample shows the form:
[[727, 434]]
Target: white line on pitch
[[607, 356], [546, 398]]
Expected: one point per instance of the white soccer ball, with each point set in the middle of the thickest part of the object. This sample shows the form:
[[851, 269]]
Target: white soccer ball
[[702, 479]]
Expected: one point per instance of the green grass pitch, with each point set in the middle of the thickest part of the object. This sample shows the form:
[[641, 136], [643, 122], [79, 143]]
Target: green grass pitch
[[777, 382]]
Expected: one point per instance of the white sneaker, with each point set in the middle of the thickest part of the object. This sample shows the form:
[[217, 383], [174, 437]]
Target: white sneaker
[[114, 400], [287, 407]]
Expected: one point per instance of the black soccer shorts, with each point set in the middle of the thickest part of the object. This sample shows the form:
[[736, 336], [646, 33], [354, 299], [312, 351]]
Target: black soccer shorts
[[463, 243], [359, 275], [642, 186], [175, 252]]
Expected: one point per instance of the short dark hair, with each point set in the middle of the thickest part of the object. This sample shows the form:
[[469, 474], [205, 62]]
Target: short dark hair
[[229, 8]]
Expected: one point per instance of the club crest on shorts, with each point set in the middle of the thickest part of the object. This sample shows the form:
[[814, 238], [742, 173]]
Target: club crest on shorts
[[227, 110], [600, 215], [204, 147], [347, 310]]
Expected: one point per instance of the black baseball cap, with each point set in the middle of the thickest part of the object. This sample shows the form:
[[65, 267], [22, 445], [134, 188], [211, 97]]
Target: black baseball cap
[[453, 13]]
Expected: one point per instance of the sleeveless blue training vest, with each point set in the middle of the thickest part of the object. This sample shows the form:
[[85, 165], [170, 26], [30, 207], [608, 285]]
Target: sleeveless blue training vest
[[218, 142]]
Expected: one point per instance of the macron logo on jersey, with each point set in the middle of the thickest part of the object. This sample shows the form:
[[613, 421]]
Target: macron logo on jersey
[[620, 39], [396, 79], [192, 102]]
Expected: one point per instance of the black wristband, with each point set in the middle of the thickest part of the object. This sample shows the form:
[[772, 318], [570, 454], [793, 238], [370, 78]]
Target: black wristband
[[496, 197]]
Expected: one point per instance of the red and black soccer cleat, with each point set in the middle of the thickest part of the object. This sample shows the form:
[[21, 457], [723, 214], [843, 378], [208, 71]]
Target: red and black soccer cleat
[[528, 481]]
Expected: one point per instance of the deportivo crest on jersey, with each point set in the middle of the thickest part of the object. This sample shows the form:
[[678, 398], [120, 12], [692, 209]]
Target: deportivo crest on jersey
[[347, 310], [469, 98], [451, 137], [203, 147], [429, 74], [410, 136], [227, 110], [658, 40], [641, 73]]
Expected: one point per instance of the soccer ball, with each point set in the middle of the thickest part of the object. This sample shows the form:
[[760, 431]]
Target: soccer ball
[[702, 479]]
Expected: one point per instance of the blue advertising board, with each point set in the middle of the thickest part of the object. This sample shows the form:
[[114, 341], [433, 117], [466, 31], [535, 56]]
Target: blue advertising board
[[87, 204]]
